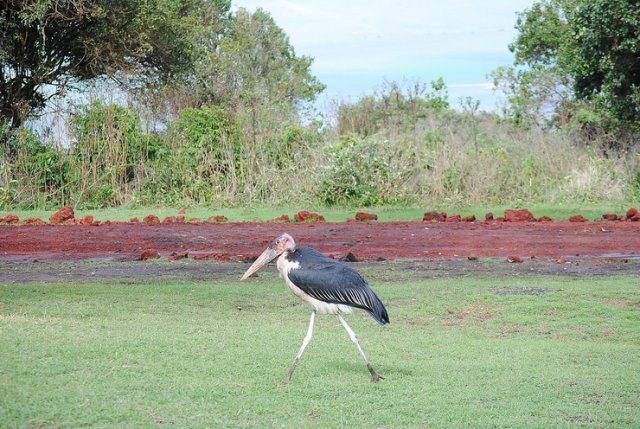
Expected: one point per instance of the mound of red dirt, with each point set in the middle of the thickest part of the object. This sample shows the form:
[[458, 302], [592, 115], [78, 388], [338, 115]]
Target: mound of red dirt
[[521, 215], [306, 216], [578, 218], [32, 221], [10, 219], [365, 217], [434, 216], [149, 254], [217, 219], [151, 220], [61, 216]]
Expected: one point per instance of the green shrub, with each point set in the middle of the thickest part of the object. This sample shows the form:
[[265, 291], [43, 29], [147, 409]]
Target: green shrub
[[108, 147], [398, 147], [393, 108], [195, 160], [34, 175], [635, 186], [362, 172]]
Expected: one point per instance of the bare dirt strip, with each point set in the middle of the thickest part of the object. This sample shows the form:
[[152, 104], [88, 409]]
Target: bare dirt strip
[[364, 241], [55, 253]]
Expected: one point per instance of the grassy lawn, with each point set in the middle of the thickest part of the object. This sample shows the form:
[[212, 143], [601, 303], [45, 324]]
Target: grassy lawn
[[537, 352], [385, 214]]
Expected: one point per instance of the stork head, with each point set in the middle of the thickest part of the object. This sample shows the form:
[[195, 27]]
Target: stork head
[[276, 248]]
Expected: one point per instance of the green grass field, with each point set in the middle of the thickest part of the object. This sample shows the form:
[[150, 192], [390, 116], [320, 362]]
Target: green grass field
[[504, 352], [385, 214]]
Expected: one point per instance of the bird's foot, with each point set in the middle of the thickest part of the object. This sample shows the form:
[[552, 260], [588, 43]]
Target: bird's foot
[[287, 378], [376, 377]]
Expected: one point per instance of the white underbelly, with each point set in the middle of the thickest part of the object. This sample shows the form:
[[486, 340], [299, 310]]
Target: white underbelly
[[320, 307]]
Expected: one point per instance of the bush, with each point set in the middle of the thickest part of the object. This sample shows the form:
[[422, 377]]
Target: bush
[[34, 175], [635, 186], [108, 147], [412, 150], [362, 172], [195, 161], [393, 108]]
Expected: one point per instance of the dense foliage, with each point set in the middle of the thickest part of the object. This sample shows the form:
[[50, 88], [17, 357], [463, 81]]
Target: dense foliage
[[48, 45], [577, 58], [208, 110], [255, 62], [413, 153]]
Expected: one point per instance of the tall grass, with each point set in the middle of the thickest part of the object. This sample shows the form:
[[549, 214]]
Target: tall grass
[[399, 147], [448, 158]]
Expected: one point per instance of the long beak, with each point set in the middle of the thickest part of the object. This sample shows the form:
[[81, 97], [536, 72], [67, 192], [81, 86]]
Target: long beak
[[267, 256]]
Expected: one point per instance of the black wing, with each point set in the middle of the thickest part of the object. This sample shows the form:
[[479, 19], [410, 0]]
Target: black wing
[[330, 281]]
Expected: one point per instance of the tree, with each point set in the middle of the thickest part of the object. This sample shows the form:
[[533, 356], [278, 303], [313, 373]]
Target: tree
[[253, 60], [590, 47], [537, 95], [46, 46], [605, 58]]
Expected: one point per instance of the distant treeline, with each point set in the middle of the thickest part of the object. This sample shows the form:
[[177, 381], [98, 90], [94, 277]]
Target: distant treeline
[[400, 146], [215, 108]]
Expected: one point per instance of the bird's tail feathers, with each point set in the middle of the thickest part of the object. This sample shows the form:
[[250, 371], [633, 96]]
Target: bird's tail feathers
[[379, 313]]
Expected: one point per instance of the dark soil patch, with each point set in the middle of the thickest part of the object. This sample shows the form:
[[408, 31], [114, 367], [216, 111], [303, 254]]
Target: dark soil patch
[[387, 271], [49, 253]]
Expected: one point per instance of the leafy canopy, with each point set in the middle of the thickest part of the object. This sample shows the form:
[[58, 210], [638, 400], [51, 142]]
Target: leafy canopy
[[249, 60], [48, 45], [589, 46]]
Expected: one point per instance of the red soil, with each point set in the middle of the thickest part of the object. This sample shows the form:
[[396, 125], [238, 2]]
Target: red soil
[[62, 215], [365, 241], [522, 215], [365, 217]]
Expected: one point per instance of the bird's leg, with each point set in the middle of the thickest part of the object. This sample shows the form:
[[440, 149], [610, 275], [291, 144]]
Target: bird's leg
[[305, 343], [375, 377]]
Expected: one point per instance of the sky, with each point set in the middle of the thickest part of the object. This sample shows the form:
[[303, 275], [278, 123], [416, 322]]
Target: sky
[[357, 45]]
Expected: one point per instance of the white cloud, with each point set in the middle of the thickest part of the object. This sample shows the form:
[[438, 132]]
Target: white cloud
[[458, 40]]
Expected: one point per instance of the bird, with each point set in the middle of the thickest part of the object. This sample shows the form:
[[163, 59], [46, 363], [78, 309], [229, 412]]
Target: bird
[[330, 287]]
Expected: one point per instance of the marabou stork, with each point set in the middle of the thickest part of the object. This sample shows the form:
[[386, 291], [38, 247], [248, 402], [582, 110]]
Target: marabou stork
[[329, 286]]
